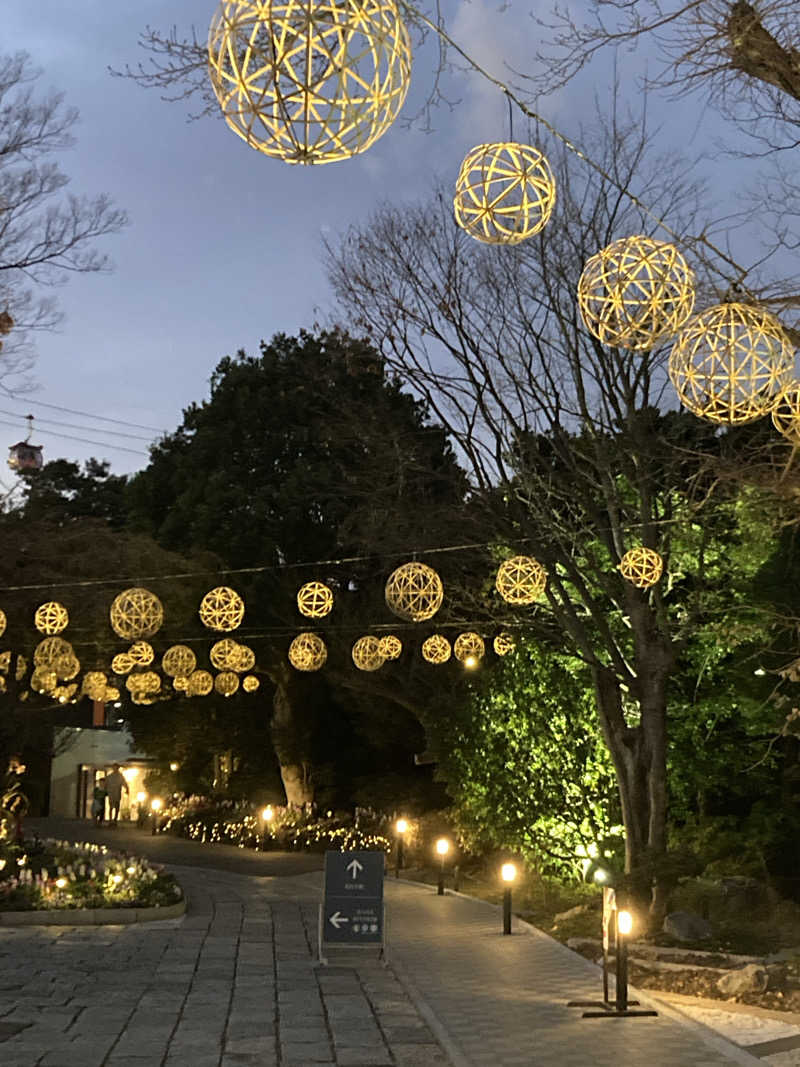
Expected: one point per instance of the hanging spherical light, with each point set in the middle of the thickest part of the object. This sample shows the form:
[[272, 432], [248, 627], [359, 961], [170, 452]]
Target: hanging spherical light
[[136, 613], [43, 680], [22, 667], [307, 652], [111, 694], [226, 683], [250, 683], [504, 193], [469, 646], [521, 580], [50, 650], [245, 659], [730, 362], [51, 618], [200, 683], [147, 682], [436, 649], [414, 592], [3, 623], [221, 609], [635, 292], [314, 600], [142, 654], [786, 413], [224, 654], [178, 661], [122, 663], [504, 643], [309, 81], [94, 685], [641, 566], [366, 653], [390, 646], [66, 666], [180, 683]]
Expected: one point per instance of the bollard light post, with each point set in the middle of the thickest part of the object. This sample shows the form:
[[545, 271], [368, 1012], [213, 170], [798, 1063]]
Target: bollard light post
[[156, 805], [141, 801], [624, 927], [267, 815], [442, 848], [400, 828], [508, 872]]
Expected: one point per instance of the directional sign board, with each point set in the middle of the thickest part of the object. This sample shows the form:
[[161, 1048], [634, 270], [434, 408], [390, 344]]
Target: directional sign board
[[352, 910]]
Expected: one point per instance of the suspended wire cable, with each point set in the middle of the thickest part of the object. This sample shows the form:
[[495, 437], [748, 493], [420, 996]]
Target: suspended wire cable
[[72, 411], [83, 440], [72, 426]]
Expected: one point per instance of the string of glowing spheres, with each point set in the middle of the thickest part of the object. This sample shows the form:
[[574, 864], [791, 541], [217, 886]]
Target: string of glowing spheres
[[641, 566], [521, 580], [309, 81], [504, 193], [314, 600], [730, 363], [634, 292], [414, 592]]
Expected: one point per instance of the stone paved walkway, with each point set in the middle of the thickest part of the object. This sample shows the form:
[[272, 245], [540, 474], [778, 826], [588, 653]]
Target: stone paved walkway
[[233, 983]]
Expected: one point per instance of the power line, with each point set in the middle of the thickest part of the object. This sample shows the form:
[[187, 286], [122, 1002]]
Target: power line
[[72, 426], [83, 440], [85, 414]]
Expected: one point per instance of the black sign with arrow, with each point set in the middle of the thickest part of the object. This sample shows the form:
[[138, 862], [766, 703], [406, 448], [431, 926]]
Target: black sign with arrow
[[352, 909]]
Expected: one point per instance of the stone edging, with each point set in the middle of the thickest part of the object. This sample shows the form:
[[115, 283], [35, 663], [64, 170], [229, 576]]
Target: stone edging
[[92, 916]]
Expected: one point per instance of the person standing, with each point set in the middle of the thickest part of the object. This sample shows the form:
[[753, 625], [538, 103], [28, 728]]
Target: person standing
[[115, 783], [99, 795]]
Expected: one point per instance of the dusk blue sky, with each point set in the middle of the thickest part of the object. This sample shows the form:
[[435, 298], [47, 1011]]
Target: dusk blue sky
[[223, 247]]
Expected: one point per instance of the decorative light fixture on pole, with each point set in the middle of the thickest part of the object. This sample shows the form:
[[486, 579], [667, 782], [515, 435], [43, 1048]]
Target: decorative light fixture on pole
[[442, 848], [400, 827], [508, 872]]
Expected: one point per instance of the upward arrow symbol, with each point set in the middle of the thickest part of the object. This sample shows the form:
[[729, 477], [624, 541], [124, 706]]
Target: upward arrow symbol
[[354, 868]]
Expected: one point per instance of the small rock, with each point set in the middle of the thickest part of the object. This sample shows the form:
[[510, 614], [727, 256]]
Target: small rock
[[750, 979], [573, 913], [687, 926]]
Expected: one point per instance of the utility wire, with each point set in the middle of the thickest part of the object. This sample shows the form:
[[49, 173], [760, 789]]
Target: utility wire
[[72, 411], [83, 440], [72, 426]]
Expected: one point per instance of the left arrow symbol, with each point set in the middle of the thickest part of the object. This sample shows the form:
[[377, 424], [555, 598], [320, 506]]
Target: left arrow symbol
[[337, 919]]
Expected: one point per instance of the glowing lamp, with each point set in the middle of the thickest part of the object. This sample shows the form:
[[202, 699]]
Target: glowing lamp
[[141, 797], [624, 922], [401, 826], [508, 872], [61, 883], [267, 813], [156, 804], [442, 846], [174, 766]]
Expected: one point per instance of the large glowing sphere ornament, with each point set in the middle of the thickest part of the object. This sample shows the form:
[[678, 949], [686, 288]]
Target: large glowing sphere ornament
[[504, 643], [178, 661], [48, 651], [436, 649], [43, 680], [504, 193], [66, 666], [314, 600], [309, 81], [222, 609], [729, 363], [136, 613], [521, 580], [635, 291], [641, 566], [414, 592], [200, 684], [469, 646], [226, 683], [367, 653], [51, 618], [307, 652], [786, 413], [390, 646], [224, 654]]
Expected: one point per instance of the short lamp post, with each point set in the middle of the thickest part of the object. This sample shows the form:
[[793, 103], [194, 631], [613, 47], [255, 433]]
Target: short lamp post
[[442, 848], [508, 872], [401, 826], [156, 804], [624, 927], [267, 815], [141, 801]]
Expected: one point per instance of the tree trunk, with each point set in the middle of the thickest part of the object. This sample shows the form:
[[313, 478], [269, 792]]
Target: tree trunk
[[295, 767]]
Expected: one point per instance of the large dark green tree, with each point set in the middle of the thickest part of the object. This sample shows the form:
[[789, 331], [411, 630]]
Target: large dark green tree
[[307, 461]]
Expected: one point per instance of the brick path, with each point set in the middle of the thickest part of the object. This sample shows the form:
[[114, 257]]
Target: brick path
[[232, 983]]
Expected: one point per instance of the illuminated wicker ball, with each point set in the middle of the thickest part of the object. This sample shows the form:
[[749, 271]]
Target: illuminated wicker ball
[[786, 413], [504, 643], [50, 650], [178, 661], [635, 292], [43, 680], [142, 654], [3, 623], [468, 646], [309, 81], [226, 683], [250, 683], [314, 600], [147, 682], [730, 362], [641, 566], [111, 694], [307, 652], [22, 667], [224, 654], [436, 649], [122, 663], [51, 618], [66, 666], [200, 683], [222, 609], [414, 592], [367, 653], [180, 683], [136, 613], [245, 659], [521, 580], [94, 685], [63, 693], [390, 646], [504, 193]]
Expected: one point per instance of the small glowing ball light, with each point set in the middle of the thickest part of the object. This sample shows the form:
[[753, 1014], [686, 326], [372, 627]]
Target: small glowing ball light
[[307, 652], [521, 580], [250, 683], [141, 652], [178, 661], [504, 193], [50, 650], [3, 623], [221, 609], [122, 663], [436, 649], [786, 413], [635, 292], [367, 655], [200, 684], [503, 644], [730, 363], [468, 648], [309, 81], [224, 654], [641, 567], [136, 613], [314, 600], [51, 618], [508, 872], [390, 646], [414, 592], [226, 683]]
